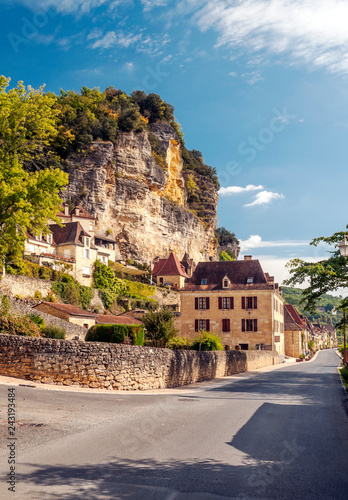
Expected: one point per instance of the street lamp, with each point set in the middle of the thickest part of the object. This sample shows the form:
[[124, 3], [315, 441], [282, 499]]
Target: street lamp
[[343, 248]]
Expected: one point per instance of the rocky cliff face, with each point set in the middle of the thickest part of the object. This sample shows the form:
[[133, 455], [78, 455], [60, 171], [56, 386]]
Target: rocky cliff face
[[146, 206]]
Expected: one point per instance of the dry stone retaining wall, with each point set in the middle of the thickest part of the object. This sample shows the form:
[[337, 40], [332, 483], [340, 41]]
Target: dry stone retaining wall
[[115, 366]]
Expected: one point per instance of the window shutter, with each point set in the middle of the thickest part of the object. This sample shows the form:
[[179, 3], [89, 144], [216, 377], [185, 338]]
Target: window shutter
[[220, 302], [207, 324], [231, 303], [228, 325], [243, 303], [207, 301], [196, 303], [223, 325], [196, 325], [243, 325], [255, 325], [255, 302]]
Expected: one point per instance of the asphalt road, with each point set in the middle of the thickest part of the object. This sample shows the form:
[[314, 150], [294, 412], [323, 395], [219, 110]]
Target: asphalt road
[[275, 434]]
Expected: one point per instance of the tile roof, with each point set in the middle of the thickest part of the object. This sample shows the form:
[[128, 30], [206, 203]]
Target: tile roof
[[108, 319], [289, 321], [290, 311], [237, 272], [67, 308], [169, 267], [71, 232]]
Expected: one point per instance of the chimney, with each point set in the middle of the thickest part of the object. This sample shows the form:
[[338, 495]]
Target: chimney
[[66, 209], [248, 257], [77, 211], [156, 259]]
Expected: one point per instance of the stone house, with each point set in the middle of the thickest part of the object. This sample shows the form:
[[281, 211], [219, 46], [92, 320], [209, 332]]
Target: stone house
[[296, 332], [81, 317], [170, 271], [235, 300], [74, 246]]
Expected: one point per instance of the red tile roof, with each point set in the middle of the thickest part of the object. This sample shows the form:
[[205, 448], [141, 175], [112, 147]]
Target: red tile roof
[[68, 308], [169, 267], [237, 271], [116, 320], [291, 314]]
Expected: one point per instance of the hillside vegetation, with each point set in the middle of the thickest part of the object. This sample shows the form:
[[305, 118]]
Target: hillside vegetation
[[329, 302]]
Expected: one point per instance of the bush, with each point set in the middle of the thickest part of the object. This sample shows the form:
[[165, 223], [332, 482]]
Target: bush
[[107, 333], [207, 342], [180, 343], [160, 327], [38, 320], [71, 292], [53, 332], [116, 334], [18, 325], [5, 305]]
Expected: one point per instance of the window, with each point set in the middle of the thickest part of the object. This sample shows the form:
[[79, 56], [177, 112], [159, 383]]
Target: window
[[85, 325], [202, 324], [277, 338], [226, 303], [202, 303], [66, 253], [249, 325], [91, 226], [250, 281], [86, 241], [249, 302], [226, 325], [86, 253], [86, 271], [32, 248], [161, 281], [203, 281]]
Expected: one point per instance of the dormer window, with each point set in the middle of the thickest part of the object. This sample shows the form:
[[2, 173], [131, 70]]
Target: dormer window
[[91, 226], [203, 281], [86, 241], [250, 281], [226, 282]]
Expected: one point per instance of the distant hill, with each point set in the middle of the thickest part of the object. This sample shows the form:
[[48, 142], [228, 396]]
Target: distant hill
[[327, 302]]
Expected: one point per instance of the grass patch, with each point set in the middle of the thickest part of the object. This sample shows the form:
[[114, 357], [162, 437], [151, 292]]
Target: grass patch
[[344, 376]]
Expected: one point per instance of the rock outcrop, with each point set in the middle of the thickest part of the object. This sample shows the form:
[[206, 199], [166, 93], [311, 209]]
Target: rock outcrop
[[145, 205]]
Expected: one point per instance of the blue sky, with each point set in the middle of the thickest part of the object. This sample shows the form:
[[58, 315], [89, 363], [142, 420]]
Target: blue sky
[[260, 87]]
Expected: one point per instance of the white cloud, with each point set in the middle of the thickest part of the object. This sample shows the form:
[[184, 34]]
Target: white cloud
[[64, 6], [225, 191], [255, 241], [129, 66], [141, 42], [264, 197], [108, 40], [150, 4], [312, 32]]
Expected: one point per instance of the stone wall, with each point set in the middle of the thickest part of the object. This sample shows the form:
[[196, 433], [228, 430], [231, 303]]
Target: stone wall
[[23, 286], [100, 365]]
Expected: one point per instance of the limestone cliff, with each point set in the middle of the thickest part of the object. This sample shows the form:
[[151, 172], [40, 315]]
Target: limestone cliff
[[146, 206]]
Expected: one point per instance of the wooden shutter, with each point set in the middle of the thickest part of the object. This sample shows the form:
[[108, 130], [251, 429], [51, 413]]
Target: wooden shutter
[[207, 303], [243, 303], [207, 325], [231, 303], [228, 325], [243, 325], [255, 302], [196, 325], [220, 302], [255, 325], [196, 302]]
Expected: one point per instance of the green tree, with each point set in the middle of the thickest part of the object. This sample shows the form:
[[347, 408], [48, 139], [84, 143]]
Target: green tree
[[27, 124], [327, 275], [27, 200], [160, 327]]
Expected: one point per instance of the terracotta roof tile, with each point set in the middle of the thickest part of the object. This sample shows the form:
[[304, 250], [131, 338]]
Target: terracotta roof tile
[[169, 267], [116, 320], [294, 315], [71, 232], [67, 308]]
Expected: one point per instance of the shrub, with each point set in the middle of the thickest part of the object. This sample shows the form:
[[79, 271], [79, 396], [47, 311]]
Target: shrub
[[180, 343], [160, 327], [53, 332], [5, 304], [71, 292], [38, 320], [207, 342], [18, 325], [107, 333], [116, 334], [38, 295]]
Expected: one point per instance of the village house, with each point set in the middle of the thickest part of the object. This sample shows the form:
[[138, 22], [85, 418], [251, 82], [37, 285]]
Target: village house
[[73, 247], [296, 332], [80, 317], [171, 271], [235, 300]]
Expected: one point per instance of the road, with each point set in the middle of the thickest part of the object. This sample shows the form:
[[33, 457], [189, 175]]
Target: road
[[270, 434]]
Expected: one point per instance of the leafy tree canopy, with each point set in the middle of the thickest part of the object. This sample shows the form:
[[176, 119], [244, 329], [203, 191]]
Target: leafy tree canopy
[[225, 237], [160, 327], [324, 276]]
